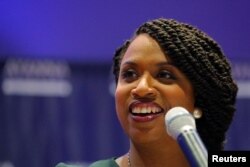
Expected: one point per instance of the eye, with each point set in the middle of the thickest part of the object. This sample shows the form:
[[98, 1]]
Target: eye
[[165, 74], [129, 75]]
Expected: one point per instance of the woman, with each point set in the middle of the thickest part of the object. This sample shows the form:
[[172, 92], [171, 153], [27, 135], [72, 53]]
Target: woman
[[168, 64]]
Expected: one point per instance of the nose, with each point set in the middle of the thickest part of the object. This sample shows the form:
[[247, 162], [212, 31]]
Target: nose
[[144, 88]]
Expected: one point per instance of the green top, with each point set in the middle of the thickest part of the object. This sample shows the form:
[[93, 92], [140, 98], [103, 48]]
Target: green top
[[101, 163], [105, 163]]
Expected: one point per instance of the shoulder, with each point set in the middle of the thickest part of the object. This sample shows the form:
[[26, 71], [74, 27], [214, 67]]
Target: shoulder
[[105, 163]]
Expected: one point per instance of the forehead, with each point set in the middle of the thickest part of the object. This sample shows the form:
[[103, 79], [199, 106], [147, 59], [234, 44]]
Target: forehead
[[144, 42], [143, 46]]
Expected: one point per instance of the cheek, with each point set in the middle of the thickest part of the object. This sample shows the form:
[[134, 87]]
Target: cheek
[[120, 101], [179, 96]]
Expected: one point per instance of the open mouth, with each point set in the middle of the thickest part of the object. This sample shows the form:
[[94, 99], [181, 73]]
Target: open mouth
[[144, 111]]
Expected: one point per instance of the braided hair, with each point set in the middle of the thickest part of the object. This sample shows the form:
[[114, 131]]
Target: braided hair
[[201, 59]]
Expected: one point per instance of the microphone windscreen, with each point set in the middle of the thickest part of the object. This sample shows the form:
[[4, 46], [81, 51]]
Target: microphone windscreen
[[177, 120]]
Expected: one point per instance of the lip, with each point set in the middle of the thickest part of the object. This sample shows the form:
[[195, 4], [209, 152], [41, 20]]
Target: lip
[[145, 117]]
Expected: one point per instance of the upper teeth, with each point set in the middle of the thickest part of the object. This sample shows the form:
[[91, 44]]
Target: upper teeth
[[139, 110]]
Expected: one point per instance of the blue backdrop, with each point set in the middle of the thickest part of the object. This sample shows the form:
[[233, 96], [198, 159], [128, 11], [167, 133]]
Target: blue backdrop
[[90, 30], [41, 128], [56, 94]]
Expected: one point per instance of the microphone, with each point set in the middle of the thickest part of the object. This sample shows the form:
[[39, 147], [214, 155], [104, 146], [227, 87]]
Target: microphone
[[180, 124]]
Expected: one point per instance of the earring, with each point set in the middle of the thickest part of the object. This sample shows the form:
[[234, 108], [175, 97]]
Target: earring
[[197, 113]]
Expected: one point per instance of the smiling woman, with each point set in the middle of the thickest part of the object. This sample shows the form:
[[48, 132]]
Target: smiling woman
[[154, 85], [168, 64]]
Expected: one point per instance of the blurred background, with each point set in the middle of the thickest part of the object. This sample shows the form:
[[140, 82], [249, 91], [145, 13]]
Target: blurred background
[[56, 94]]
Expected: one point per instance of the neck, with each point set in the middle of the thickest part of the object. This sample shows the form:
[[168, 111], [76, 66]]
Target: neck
[[157, 155]]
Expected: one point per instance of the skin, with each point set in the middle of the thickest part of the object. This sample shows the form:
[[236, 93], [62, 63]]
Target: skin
[[147, 78]]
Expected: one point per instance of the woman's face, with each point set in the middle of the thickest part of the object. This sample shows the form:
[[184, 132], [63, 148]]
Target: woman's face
[[148, 86]]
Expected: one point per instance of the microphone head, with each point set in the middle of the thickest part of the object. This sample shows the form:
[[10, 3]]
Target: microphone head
[[177, 120]]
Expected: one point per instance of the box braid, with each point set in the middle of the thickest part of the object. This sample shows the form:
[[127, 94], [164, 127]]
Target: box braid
[[201, 59]]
